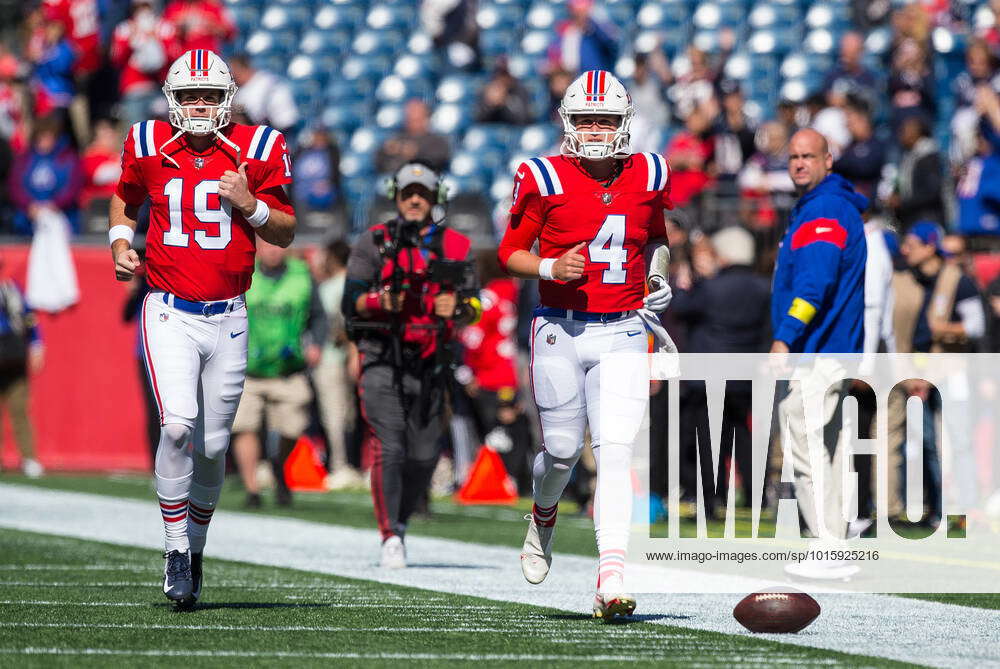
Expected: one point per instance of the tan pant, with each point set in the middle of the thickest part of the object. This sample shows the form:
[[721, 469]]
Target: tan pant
[[285, 400], [820, 479], [336, 408], [14, 398]]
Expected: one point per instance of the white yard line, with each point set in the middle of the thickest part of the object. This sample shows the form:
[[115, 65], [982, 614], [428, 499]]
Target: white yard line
[[902, 629]]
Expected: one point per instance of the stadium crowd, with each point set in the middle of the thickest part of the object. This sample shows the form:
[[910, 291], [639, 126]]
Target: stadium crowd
[[909, 98]]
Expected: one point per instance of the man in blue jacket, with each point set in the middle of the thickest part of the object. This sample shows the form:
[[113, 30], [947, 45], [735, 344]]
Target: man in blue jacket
[[817, 306]]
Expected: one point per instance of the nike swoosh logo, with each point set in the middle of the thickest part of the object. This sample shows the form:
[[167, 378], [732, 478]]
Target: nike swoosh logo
[[520, 175], [234, 335], [632, 334]]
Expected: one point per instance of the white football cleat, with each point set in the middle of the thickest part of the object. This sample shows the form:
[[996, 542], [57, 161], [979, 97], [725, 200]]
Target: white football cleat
[[611, 600], [393, 553], [823, 570], [536, 554], [32, 468]]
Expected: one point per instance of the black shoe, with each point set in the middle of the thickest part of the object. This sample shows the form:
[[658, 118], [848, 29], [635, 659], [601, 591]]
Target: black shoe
[[177, 584], [196, 576], [252, 501], [282, 496]]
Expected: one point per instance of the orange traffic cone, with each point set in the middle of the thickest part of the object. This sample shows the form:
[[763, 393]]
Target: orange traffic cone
[[488, 482], [303, 469]]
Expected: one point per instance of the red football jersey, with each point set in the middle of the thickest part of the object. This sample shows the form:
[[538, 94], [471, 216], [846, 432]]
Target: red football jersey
[[556, 202], [491, 344], [197, 247]]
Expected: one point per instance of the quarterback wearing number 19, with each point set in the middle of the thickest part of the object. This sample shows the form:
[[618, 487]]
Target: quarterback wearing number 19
[[213, 186], [596, 211]]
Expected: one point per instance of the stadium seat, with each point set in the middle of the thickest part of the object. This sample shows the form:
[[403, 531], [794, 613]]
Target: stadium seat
[[828, 15], [714, 15], [345, 118], [795, 90], [494, 16], [820, 41], [662, 15], [497, 42], [535, 43], [276, 18], [779, 41], [245, 16], [338, 17], [389, 116], [377, 43], [456, 88], [307, 94], [450, 119], [395, 89], [544, 16], [797, 65], [354, 165], [366, 68], [773, 15], [367, 139], [409, 66], [878, 41], [538, 139], [738, 66], [419, 43], [489, 136], [384, 16]]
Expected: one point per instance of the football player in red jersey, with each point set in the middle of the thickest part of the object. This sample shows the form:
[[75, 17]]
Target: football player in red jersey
[[596, 211], [213, 185]]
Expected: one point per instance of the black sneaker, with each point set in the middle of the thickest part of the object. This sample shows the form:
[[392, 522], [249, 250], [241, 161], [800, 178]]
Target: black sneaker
[[195, 577], [177, 585], [282, 496], [252, 501]]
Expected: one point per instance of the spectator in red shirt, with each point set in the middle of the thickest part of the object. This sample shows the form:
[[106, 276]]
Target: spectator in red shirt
[[201, 24], [142, 47], [101, 166], [689, 152], [82, 24], [12, 127]]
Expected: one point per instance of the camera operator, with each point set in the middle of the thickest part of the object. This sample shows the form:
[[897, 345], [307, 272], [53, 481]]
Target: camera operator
[[408, 287]]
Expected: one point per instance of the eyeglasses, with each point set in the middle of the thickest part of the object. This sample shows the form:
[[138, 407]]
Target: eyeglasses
[[191, 99]]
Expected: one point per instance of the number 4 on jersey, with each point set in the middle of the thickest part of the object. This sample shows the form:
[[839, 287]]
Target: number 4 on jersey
[[608, 246]]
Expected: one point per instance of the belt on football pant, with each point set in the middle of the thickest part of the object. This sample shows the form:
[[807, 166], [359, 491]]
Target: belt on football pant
[[576, 315], [203, 308]]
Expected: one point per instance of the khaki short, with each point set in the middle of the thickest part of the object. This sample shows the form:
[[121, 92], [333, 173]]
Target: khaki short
[[285, 401]]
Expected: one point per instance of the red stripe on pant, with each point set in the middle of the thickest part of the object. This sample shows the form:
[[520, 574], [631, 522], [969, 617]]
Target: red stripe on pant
[[378, 495]]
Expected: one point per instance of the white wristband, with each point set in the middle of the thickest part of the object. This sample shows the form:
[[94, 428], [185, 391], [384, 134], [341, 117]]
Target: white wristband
[[260, 215], [121, 232], [545, 269]]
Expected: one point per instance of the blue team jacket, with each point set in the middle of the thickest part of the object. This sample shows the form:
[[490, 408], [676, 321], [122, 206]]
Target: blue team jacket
[[818, 296]]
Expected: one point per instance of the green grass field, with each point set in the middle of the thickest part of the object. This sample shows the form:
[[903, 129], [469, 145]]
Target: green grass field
[[502, 526], [73, 603]]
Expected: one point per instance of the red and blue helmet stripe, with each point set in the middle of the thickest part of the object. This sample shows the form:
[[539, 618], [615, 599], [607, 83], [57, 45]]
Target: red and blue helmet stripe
[[596, 85], [199, 61]]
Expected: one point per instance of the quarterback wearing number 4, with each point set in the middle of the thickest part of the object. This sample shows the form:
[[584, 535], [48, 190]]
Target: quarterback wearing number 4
[[213, 186], [596, 211]]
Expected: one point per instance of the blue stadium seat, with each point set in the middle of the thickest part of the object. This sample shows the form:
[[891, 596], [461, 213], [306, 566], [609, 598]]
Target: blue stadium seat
[[538, 139], [305, 68], [395, 89], [456, 88], [773, 15], [795, 90], [389, 116], [307, 94], [357, 165], [245, 17], [451, 119], [544, 15], [420, 44], [490, 136], [878, 41], [820, 41], [497, 42], [384, 16], [367, 139], [662, 15], [503, 184], [535, 43], [714, 15], [341, 90], [410, 66], [779, 41], [494, 16], [367, 68], [828, 15], [465, 185], [345, 118], [277, 18], [798, 64], [338, 17], [377, 43], [738, 66]]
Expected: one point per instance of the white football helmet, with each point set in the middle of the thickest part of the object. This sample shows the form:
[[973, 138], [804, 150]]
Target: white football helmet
[[199, 68], [596, 92]]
